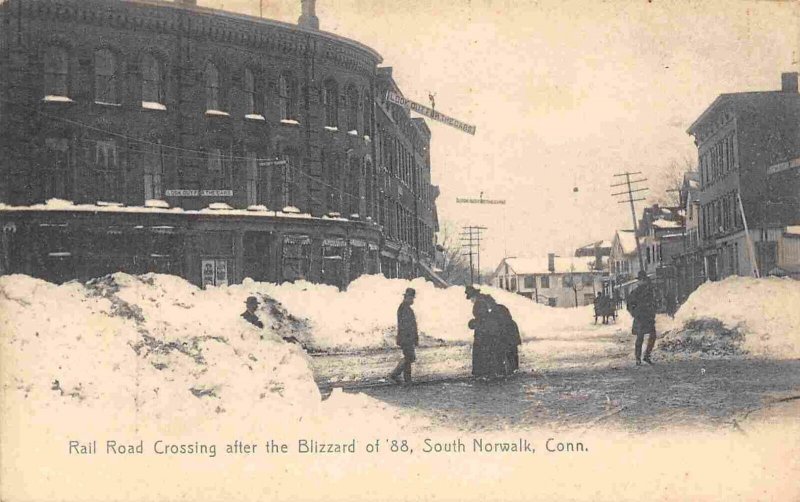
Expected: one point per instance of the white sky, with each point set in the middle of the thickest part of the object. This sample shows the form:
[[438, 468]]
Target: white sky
[[563, 93]]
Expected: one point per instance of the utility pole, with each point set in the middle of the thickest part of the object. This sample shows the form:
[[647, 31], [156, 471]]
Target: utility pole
[[471, 242], [630, 191]]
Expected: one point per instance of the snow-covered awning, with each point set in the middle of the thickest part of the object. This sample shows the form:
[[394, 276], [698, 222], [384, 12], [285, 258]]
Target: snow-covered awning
[[357, 243]]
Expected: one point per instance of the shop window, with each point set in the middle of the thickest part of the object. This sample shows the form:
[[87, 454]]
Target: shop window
[[106, 167], [333, 256], [153, 171], [545, 280], [152, 80], [296, 257], [106, 82], [56, 72], [54, 174], [330, 100]]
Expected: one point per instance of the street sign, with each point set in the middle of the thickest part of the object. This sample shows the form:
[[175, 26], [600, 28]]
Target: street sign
[[273, 162], [397, 99], [180, 192], [479, 200]]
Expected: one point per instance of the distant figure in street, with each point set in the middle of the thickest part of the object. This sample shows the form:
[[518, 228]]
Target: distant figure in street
[[598, 307], [617, 301], [249, 314], [642, 306], [407, 337]]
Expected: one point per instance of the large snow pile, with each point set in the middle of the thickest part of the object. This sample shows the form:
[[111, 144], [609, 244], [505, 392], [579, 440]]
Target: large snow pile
[[152, 353], [766, 311], [365, 316]]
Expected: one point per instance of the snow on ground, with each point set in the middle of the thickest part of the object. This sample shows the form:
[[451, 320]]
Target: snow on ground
[[155, 353], [766, 311]]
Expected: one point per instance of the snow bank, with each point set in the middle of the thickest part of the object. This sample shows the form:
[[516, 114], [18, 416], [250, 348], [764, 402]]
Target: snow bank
[[154, 353], [365, 316], [766, 311]]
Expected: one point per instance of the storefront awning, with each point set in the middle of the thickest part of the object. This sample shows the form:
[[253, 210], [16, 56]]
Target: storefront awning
[[357, 243]]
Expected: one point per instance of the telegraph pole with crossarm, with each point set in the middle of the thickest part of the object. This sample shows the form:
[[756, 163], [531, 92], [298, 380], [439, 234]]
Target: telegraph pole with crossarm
[[630, 191]]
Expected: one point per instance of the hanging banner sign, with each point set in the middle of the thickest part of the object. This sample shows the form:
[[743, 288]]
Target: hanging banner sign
[[461, 200], [197, 193], [270, 163], [397, 99]]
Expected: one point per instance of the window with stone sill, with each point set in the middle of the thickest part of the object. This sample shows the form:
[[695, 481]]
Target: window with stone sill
[[330, 101], [106, 77], [56, 72], [212, 87], [287, 97], [152, 80]]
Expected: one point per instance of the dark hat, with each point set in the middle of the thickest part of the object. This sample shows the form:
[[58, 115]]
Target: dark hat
[[471, 292], [410, 292], [251, 299]]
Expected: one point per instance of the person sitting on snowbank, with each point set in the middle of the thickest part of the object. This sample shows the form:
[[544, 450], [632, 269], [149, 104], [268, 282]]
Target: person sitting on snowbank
[[250, 316]]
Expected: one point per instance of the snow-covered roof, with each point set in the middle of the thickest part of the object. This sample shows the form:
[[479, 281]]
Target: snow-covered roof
[[65, 205], [793, 230], [563, 265], [662, 223], [627, 241]]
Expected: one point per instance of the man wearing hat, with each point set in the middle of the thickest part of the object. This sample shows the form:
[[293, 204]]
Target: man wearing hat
[[249, 315], [642, 306], [407, 337]]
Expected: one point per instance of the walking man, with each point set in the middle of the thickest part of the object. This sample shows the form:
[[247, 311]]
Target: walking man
[[642, 306], [407, 337], [249, 314]]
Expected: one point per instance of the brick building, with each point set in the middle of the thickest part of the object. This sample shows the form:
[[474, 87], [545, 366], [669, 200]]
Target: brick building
[[740, 138], [207, 144]]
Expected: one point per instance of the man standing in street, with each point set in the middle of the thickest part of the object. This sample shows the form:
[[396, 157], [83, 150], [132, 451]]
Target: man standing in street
[[407, 337], [642, 306]]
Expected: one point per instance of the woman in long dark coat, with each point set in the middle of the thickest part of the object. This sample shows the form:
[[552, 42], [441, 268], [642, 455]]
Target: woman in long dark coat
[[487, 348]]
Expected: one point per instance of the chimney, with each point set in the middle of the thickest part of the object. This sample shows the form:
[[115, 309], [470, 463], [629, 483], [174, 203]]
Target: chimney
[[551, 262], [789, 82], [308, 17]]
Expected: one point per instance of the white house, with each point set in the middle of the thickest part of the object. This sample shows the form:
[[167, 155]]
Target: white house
[[552, 280]]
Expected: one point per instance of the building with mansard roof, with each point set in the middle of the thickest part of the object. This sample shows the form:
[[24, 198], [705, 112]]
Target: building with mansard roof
[[144, 136]]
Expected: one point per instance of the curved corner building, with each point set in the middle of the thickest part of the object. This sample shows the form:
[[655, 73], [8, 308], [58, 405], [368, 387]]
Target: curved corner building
[[143, 136]]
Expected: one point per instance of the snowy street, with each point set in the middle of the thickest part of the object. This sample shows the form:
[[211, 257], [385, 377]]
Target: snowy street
[[568, 383]]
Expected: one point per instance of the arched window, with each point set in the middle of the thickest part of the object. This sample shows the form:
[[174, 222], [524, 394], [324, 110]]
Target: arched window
[[352, 108], [249, 86], [56, 72], [106, 84], [367, 111], [212, 87], [330, 100], [287, 97], [152, 80]]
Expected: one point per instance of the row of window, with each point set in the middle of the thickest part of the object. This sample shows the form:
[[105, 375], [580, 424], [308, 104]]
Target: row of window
[[108, 87], [401, 163], [718, 161], [509, 283], [721, 215]]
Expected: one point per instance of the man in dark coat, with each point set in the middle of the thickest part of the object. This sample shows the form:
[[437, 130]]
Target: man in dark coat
[[509, 339], [598, 307], [407, 337], [483, 357], [249, 314], [642, 306]]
